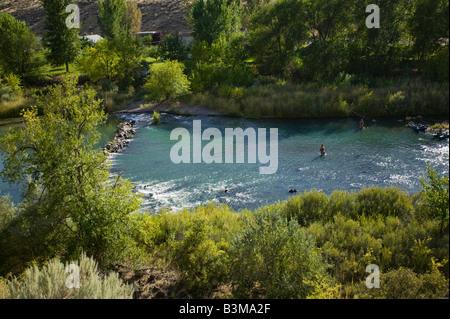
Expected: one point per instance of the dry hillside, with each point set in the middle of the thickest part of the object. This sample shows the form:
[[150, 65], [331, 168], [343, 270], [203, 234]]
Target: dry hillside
[[167, 16]]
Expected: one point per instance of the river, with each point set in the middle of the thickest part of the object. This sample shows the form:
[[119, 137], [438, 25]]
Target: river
[[385, 153]]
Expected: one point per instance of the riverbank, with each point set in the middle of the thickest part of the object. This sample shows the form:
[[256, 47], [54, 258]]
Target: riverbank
[[400, 98], [170, 107]]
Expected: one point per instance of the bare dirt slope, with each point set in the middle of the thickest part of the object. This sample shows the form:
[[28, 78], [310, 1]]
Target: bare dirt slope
[[167, 16]]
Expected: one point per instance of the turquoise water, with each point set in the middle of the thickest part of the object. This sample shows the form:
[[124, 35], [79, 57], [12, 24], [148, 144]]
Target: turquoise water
[[386, 153]]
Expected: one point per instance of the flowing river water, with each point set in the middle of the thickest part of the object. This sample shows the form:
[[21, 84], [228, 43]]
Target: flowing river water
[[385, 153]]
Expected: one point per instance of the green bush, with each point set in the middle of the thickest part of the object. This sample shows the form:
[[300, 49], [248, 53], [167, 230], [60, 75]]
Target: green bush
[[436, 68], [436, 197], [275, 258], [53, 281], [13, 81], [403, 283], [203, 261], [384, 201], [6, 94], [166, 81], [155, 117], [307, 208]]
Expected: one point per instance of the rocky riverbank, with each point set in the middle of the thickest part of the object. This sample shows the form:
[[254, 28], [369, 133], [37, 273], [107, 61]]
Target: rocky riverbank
[[122, 138]]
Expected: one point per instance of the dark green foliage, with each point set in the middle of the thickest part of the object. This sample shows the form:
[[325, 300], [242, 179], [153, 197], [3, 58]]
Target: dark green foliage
[[63, 42], [18, 46], [428, 26], [214, 19], [437, 67], [111, 15], [275, 35], [172, 47]]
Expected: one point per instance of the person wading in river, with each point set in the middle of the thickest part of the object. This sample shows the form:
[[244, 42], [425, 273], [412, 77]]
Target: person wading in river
[[361, 123], [322, 150]]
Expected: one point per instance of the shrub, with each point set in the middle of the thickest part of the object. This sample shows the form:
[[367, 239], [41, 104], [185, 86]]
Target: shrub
[[13, 81], [384, 201], [7, 211], [203, 261], [155, 117], [342, 202], [166, 81], [4, 290], [403, 283], [274, 257], [50, 282], [6, 94], [307, 208], [436, 195]]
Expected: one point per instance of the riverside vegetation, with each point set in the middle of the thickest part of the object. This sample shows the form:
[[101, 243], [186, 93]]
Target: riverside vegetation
[[312, 245], [309, 246], [327, 65]]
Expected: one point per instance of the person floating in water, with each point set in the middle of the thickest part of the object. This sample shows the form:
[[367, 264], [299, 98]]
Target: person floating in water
[[361, 123], [322, 150]]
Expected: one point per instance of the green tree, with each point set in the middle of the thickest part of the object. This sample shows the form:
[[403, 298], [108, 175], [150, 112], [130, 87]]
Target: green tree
[[166, 81], [100, 62], [70, 191], [172, 47], [213, 19], [63, 42], [378, 51], [428, 26], [111, 14], [278, 29], [114, 60], [132, 19], [436, 196], [18, 46]]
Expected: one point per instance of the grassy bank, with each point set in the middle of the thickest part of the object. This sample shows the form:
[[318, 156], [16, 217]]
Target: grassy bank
[[406, 97]]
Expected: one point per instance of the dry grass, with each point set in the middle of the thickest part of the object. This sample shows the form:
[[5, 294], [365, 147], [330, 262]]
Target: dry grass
[[12, 109], [402, 98]]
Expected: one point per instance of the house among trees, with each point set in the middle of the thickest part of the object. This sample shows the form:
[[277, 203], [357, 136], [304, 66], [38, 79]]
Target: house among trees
[[94, 38], [156, 36]]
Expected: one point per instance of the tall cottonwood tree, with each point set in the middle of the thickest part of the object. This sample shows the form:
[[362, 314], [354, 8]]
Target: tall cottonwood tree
[[75, 199], [111, 15], [62, 41], [132, 19]]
